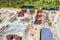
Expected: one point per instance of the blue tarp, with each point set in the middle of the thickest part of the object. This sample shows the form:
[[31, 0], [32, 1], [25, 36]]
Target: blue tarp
[[52, 9], [49, 9], [46, 34], [27, 7]]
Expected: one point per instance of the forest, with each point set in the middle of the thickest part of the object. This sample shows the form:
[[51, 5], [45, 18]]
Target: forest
[[36, 3]]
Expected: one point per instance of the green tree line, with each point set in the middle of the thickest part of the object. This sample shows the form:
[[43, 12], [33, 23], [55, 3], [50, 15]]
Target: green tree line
[[36, 3]]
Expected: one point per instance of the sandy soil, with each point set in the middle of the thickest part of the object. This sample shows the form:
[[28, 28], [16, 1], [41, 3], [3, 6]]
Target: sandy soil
[[59, 20], [51, 17]]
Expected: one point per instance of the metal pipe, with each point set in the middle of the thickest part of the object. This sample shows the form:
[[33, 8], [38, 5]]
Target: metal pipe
[[3, 28]]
